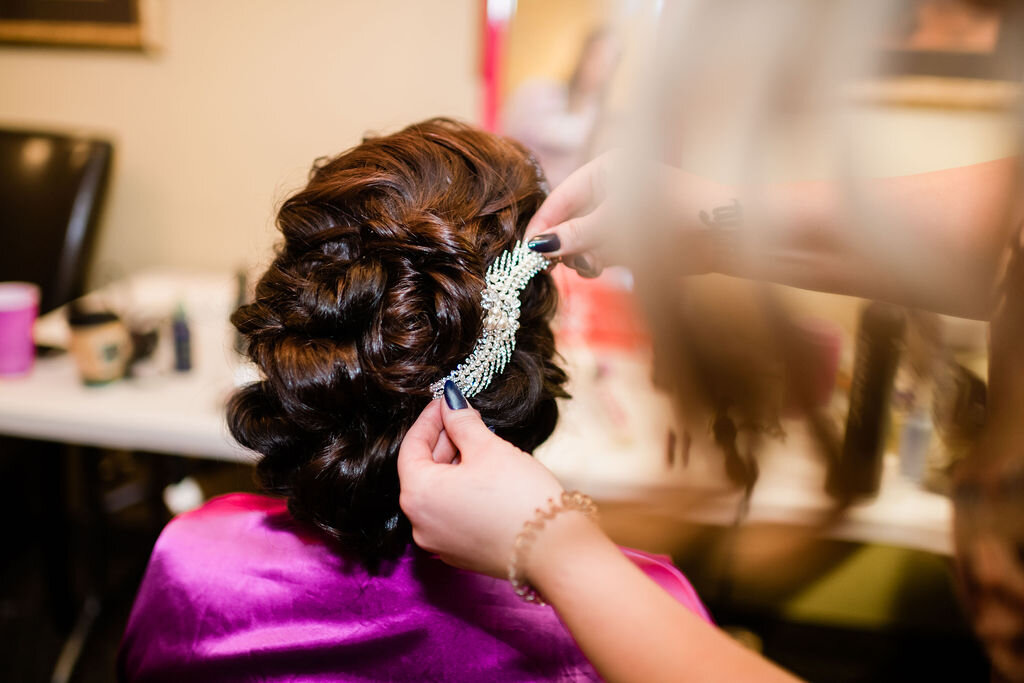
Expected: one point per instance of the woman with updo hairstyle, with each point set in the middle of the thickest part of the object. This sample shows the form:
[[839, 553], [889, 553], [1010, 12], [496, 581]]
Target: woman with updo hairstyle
[[374, 294]]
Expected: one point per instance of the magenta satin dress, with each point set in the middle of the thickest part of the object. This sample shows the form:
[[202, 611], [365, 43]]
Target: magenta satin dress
[[238, 591]]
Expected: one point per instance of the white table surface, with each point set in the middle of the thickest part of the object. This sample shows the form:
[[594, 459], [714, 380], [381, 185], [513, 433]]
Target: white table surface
[[613, 449], [181, 413]]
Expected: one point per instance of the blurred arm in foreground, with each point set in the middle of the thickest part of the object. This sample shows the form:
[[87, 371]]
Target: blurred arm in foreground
[[933, 240]]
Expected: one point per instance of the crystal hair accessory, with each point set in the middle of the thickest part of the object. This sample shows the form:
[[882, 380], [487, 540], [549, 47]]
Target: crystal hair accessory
[[505, 279]]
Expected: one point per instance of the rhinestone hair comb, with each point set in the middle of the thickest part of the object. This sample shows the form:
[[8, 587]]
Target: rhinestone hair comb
[[505, 279]]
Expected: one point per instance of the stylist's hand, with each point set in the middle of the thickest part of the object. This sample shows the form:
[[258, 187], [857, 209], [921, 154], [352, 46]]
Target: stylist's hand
[[466, 491], [573, 221], [588, 227]]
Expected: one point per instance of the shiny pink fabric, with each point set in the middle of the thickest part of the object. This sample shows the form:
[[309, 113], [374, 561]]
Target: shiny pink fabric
[[237, 591]]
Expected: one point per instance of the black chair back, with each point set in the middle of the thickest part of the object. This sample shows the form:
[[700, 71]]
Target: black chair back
[[51, 191]]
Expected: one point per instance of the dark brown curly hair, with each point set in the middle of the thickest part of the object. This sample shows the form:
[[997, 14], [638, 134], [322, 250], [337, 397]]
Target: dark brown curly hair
[[373, 295]]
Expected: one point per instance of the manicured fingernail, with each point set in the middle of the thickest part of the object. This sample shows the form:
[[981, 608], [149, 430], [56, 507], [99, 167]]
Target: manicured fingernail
[[545, 244], [453, 397]]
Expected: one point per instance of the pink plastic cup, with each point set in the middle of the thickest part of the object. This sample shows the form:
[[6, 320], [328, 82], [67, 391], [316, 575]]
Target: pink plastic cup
[[19, 305]]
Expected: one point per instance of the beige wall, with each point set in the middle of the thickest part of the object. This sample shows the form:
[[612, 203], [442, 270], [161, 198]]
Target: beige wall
[[216, 128]]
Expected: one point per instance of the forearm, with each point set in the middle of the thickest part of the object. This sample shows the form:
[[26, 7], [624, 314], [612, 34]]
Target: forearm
[[932, 240], [629, 628]]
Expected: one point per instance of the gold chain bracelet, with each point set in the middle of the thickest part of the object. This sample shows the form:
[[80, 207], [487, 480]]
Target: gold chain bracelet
[[570, 500]]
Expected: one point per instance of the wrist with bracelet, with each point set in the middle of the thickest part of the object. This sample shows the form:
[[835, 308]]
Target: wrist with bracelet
[[569, 501]]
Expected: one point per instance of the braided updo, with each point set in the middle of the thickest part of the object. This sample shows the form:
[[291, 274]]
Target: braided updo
[[373, 295]]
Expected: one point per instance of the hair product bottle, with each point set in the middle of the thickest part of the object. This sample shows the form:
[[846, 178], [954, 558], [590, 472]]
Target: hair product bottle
[[182, 340]]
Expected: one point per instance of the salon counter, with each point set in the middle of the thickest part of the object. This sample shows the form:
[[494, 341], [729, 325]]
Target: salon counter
[[165, 412]]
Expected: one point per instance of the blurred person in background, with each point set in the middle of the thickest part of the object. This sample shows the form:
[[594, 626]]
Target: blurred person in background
[[558, 121], [372, 297]]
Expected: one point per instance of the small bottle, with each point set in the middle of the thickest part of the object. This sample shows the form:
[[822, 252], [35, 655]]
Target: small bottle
[[182, 340], [858, 470], [241, 299], [915, 442]]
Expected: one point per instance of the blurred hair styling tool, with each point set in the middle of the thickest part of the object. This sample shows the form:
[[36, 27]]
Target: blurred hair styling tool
[[858, 470]]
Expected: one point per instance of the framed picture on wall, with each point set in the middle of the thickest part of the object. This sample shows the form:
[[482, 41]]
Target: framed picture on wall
[[952, 53], [125, 24]]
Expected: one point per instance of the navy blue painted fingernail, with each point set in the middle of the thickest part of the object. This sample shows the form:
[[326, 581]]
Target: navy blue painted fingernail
[[453, 397], [544, 244]]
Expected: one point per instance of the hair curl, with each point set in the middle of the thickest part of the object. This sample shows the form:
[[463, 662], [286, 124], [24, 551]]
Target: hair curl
[[373, 295]]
